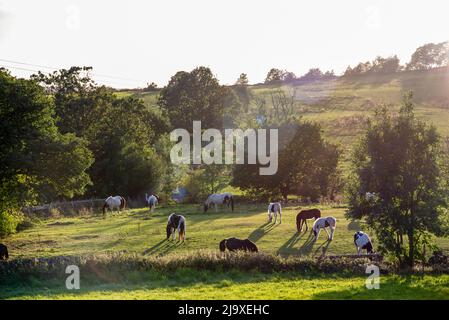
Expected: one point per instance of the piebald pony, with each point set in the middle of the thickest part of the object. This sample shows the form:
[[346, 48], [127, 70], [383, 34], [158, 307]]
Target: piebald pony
[[274, 208], [323, 223]]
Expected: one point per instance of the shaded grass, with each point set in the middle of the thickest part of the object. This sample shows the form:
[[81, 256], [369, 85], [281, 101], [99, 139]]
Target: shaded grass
[[188, 284]]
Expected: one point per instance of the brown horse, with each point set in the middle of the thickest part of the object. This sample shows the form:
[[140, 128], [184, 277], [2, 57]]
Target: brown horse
[[233, 244], [303, 215]]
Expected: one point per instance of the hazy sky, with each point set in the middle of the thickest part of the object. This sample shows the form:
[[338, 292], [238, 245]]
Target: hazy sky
[[140, 41]]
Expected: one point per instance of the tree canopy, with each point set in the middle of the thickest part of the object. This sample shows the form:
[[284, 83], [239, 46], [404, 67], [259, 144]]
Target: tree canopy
[[397, 160]]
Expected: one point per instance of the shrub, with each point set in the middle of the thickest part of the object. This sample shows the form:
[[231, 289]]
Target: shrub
[[9, 221]]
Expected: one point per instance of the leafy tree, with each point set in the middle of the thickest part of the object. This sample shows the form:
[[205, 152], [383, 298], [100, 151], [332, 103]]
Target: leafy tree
[[312, 75], [430, 56], [305, 164], [121, 132], [397, 159], [274, 76], [242, 80], [197, 95], [206, 180], [124, 145], [79, 102], [288, 77], [385, 65], [151, 87], [37, 162]]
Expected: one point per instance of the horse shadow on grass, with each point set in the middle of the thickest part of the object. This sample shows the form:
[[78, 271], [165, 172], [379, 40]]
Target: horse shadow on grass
[[307, 246], [321, 250], [261, 231], [288, 246], [162, 247]]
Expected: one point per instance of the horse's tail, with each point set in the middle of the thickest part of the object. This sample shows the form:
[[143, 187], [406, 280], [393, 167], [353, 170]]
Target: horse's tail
[[222, 245], [122, 203], [182, 229], [232, 203]]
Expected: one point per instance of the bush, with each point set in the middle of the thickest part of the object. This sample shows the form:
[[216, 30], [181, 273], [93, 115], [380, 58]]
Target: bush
[[9, 221]]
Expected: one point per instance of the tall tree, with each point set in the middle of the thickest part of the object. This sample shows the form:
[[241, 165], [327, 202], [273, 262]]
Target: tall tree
[[121, 132], [37, 162], [428, 56], [197, 95], [305, 165], [397, 159]]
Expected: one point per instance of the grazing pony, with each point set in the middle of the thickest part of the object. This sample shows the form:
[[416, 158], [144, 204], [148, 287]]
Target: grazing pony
[[152, 201], [176, 222], [362, 241], [274, 208], [114, 202], [3, 252], [303, 215], [323, 223], [219, 198], [233, 244]]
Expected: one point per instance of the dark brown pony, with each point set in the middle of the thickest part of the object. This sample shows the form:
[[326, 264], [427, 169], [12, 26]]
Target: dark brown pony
[[303, 215], [3, 252], [233, 244]]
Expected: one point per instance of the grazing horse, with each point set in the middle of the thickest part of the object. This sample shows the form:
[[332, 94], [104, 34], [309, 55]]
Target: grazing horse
[[233, 244], [323, 223], [303, 215], [362, 241], [274, 208], [114, 202], [219, 198], [176, 222], [152, 201], [3, 252]]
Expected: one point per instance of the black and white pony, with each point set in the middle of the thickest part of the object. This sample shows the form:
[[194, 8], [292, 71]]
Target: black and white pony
[[219, 198], [273, 209], [362, 242], [323, 223], [152, 201], [175, 223], [3, 252], [233, 244], [117, 202]]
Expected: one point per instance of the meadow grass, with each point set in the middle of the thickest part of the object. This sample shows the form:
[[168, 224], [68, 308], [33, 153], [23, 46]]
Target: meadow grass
[[190, 284], [138, 231]]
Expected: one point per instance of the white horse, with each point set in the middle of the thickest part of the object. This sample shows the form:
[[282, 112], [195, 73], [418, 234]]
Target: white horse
[[114, 202], [152, 201], [362, 241], [176, 222], [219, 198], [322, 223], [274, 208]]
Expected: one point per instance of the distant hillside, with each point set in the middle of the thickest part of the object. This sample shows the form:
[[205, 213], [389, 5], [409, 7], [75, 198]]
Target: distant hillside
[[341, 105]]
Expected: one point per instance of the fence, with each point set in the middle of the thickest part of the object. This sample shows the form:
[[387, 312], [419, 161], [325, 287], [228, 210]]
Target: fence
[[65, 207]]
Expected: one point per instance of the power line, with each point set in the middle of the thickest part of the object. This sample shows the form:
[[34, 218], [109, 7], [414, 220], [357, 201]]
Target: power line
[[56, 69]]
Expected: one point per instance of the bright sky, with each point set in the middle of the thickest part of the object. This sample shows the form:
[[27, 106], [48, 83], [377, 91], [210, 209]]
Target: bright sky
[[142, 41]]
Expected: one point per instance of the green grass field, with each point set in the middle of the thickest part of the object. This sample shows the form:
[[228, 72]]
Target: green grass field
[[207, 286], [139, 232]]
